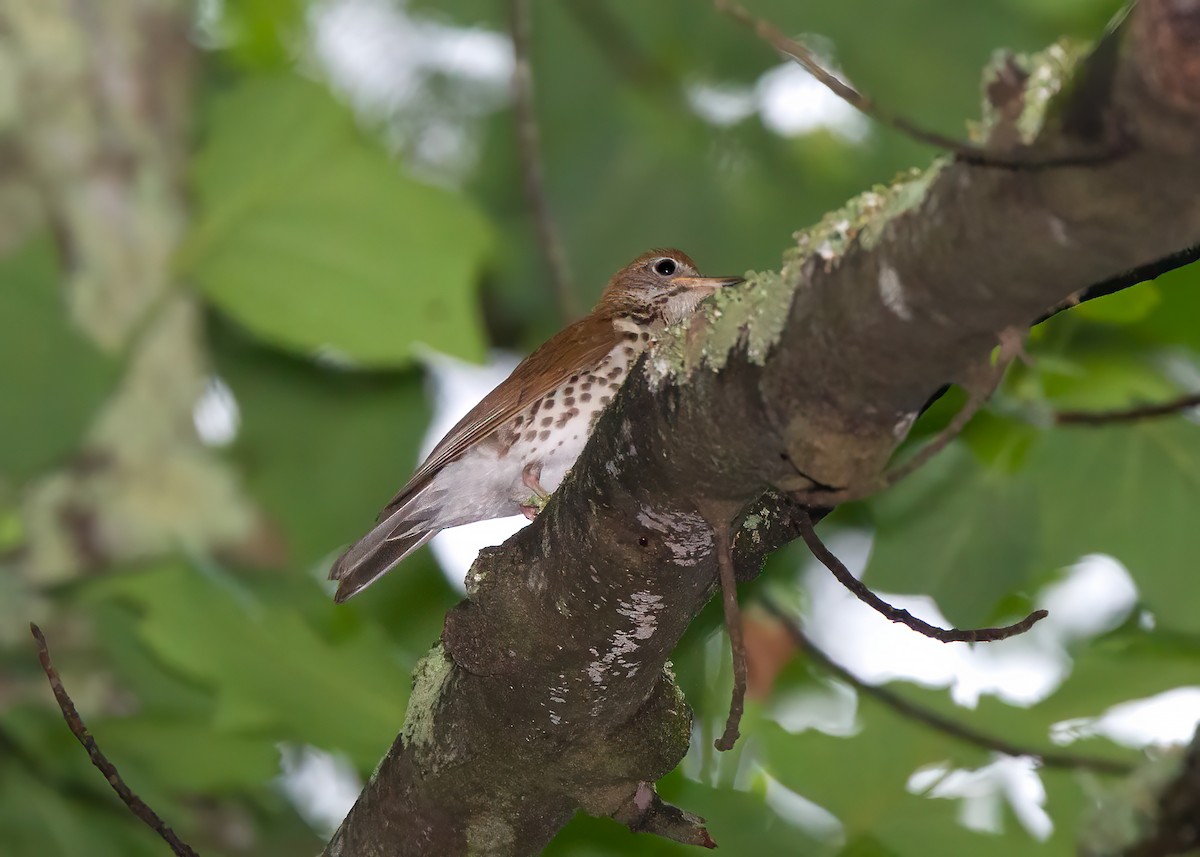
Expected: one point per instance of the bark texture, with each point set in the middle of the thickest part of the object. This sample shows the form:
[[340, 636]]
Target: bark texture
[[550, 690]]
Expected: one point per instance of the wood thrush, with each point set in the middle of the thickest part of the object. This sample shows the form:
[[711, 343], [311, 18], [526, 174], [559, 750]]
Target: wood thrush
[[513, 448]]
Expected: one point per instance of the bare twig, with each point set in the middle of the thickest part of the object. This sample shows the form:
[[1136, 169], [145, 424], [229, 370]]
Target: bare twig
[[980, 383], [79, 729], [903, 617], [1127, 415], [907, 708], [733, 625], [1020, 158], [530, 149], [984, 381]]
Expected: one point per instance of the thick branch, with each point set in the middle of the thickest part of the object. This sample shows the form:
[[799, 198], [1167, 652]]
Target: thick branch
[[549, 691]]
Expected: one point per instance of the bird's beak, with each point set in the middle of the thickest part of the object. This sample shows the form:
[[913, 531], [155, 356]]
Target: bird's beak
[[709, 283]]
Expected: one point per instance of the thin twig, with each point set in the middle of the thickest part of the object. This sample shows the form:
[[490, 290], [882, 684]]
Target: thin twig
[[980, 384], [976, 399], [530, 150], [1127, 415], [907, 708], [903, 617], [79, 729], [1022, 158], [980, 387], [733, 625]]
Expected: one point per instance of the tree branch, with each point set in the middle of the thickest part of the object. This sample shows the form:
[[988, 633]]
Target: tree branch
[[79, 729], [550, 690], [972, 153], [864, 594], [529, 145], [1127, 415], [960, 731]]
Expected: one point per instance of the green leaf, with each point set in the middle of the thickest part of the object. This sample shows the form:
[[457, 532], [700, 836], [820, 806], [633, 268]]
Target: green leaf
[[189, 754], [311, 237], [322, 451], [877, 804], [958, 531], [260, 33], [1173, 320], [52, 379], [1131, 491], [37, 817], [270, 671], [1123, 307]]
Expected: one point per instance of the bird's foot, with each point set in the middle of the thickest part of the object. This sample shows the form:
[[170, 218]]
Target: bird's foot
[[532, 507], [531, 510]]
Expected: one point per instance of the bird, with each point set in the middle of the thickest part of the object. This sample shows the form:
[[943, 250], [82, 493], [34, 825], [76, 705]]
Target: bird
[[515, 447]]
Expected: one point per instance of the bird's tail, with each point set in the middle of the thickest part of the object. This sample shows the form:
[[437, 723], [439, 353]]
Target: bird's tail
[[376, 553]]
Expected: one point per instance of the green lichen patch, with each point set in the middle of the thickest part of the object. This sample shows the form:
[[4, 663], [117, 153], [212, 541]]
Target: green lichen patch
[[754, 315], [1047, 73], [429, 681]]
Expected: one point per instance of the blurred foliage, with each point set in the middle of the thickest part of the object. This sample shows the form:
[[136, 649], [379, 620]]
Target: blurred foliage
[[291, 197], [328, 262]]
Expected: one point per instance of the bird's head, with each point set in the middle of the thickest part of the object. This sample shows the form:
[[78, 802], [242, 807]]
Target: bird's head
[[661, 285]]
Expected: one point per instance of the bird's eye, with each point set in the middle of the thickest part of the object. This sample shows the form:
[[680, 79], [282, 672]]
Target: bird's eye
[[664, 267]]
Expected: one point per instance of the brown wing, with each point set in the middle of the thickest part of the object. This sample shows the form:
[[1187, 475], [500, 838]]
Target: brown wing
[[579, 346]]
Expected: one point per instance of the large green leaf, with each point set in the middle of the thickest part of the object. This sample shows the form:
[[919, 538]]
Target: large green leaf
[[872, 799], [1133, 492], [322, 451], [310, 236], [52, 379], [270, 672], [961, 532], [39, 818], [260, 33]]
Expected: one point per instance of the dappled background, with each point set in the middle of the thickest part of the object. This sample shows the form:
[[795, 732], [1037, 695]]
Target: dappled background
[[332, 254]]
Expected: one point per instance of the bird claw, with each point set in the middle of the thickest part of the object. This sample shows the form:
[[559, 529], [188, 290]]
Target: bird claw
[[531, 478], [534, 507]]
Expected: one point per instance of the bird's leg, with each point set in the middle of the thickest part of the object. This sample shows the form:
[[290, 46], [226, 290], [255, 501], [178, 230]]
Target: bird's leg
[[531, 478]]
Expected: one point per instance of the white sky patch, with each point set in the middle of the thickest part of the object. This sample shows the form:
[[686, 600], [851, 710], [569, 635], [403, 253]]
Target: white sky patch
[[721, 105], [1166, 718], [1093, 596], [792, 102], [456, 387], [984, 791], [797, 810], [322, 786], [831, 708], [388, 63], [787, 99], [216, 415]]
